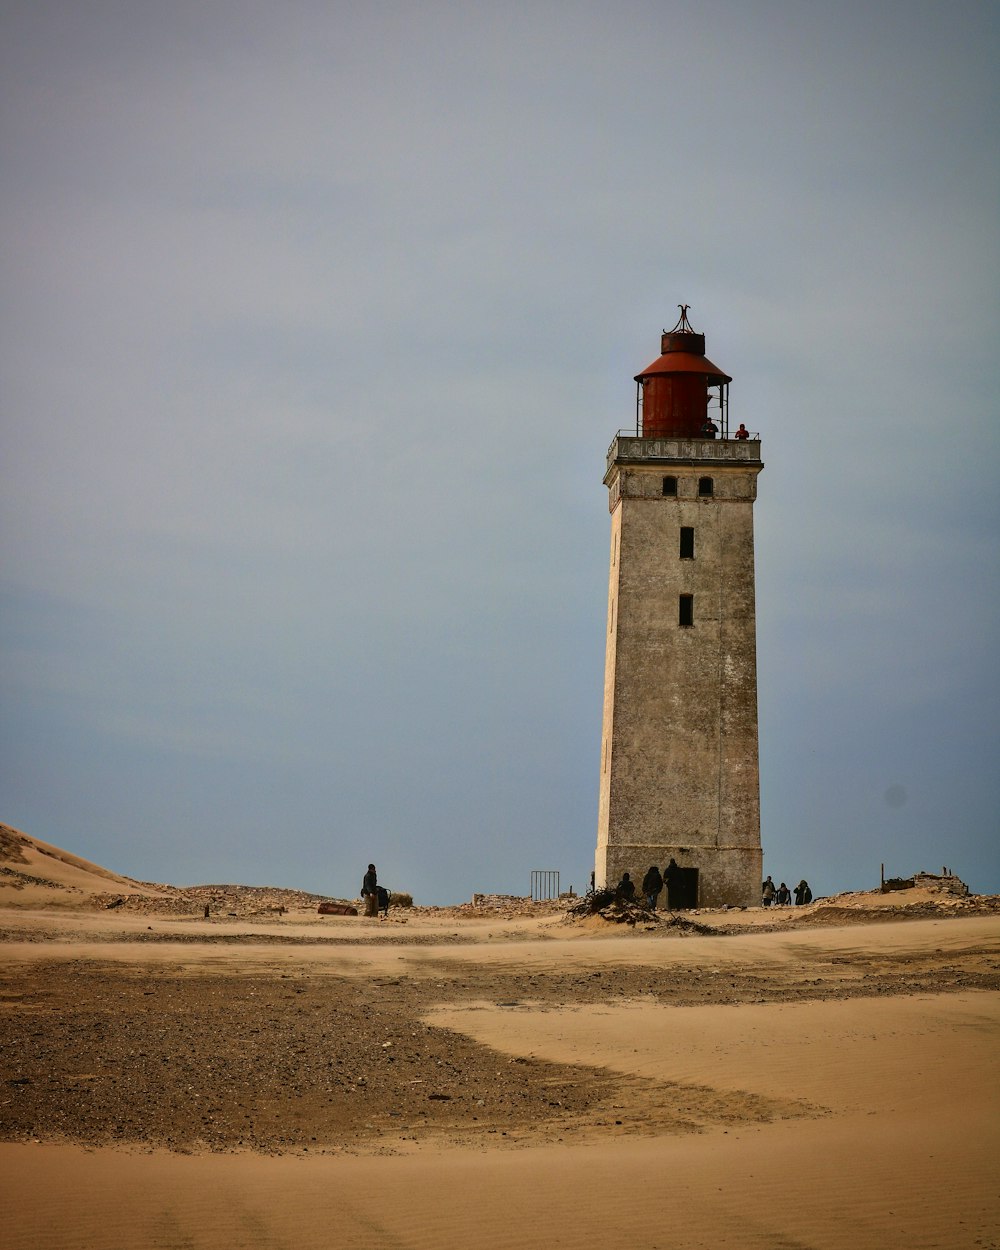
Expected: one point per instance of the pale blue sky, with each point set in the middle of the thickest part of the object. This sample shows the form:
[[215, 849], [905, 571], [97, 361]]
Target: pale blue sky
[[318, 321]]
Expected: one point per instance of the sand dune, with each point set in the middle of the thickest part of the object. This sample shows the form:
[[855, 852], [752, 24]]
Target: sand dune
[[477, 1079], [35, 874]]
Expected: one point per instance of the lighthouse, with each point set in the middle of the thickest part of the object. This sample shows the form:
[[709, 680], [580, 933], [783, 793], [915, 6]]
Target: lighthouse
[[679, 773]]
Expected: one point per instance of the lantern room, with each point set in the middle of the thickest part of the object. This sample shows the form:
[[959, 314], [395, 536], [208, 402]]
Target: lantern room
[[682, 394]]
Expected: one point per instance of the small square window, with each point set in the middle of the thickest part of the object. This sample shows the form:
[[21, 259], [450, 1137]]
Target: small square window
[[686, 610], [706, 486], [670, 486], [687, 542]]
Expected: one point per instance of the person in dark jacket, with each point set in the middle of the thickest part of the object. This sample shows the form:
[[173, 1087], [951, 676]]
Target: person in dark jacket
[[672, 879], [626, 888], [803, 894], [369, 891], [652, 884], [784, 895]]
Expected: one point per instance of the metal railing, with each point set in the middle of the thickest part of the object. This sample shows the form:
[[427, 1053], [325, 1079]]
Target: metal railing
[[544, 884], [752, 437]]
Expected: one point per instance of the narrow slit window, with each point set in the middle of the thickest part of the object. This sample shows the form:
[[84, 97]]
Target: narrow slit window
[[687, 542], [670, 486], [686, 610], [706, 486]]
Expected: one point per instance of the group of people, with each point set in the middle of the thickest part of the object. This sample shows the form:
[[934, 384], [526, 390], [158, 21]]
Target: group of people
[[711, 430], [781, 895], [653, 884]]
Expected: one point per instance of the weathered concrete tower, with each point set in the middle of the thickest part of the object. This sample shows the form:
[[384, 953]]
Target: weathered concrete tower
[[679, 772]]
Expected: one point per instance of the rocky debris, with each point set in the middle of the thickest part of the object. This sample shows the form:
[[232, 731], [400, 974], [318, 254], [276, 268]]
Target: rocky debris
[[947, 883], [944, 882], [14, 877], [885, 906], [498, 900], [500, 907], [594, 900], [241, 901], [606, 904]]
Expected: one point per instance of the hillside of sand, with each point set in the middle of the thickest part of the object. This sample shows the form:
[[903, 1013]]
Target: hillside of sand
[[34, 874]]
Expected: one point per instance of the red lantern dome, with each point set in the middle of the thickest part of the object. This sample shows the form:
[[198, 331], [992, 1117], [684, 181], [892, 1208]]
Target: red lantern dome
[[676, 388]]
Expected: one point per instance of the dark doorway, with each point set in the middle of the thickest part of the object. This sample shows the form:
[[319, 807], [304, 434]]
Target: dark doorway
[[684, 889]]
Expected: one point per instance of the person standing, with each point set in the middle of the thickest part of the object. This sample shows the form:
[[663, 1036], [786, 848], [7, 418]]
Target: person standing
[[672, 880], [652, 884], [803, 894], [369, 891], [767, 891], [784, 895]]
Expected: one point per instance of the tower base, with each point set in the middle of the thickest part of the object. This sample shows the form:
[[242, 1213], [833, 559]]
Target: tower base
[[712, 876]]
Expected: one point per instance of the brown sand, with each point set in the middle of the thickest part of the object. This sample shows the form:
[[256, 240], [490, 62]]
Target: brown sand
[[496, 1078]]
